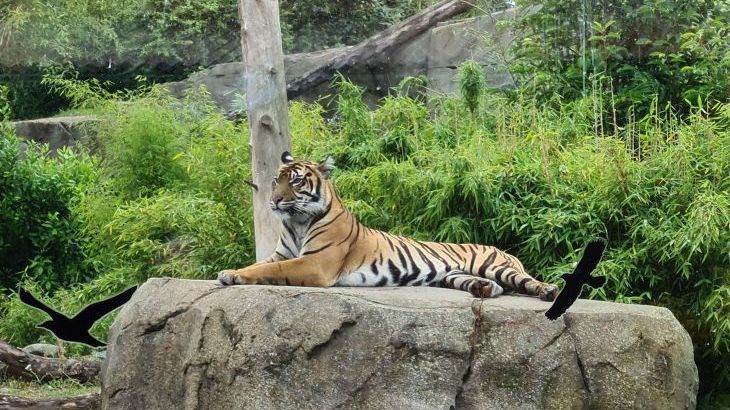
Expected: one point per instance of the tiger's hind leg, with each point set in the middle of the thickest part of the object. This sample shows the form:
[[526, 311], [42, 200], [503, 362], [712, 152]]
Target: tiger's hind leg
[[520, 281], [477, 286], [508, 272]]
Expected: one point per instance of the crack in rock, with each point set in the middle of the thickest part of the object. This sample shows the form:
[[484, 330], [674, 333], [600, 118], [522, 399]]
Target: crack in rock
[[317, 349], [581, 366], [162, 322]]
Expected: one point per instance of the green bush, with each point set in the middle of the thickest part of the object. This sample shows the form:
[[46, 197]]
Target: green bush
[[40, 236], [173, 203], [630, 52]]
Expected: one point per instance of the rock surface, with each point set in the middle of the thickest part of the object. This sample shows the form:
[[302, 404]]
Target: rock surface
[[194, 344], [42, 349], [59, 132]]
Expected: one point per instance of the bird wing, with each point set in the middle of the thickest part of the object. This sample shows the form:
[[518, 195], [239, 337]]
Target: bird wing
[[574, 282], [591, 256], [564, 300], [30, 300], [95, 311]]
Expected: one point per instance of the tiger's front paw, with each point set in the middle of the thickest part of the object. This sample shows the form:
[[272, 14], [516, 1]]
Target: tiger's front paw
[[229, 277]]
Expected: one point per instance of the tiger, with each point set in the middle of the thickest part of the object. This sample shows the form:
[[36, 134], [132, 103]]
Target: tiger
[[322, 244]]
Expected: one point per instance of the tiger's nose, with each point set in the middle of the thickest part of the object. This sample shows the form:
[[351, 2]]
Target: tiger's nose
[[276, 199]]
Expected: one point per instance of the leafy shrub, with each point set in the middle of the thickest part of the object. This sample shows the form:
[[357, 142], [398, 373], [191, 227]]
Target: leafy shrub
[[471, 83], [166, 199], [675, 50], [39, 233], [174, 203]]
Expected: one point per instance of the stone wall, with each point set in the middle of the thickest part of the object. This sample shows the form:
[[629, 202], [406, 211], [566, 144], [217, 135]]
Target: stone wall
[[186, 344]]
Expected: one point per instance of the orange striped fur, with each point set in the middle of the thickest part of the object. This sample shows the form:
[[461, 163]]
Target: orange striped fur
[[322, 244]]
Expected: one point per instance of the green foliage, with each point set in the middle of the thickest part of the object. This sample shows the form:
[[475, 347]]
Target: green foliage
[[114, 42], [471, 83], [5, 108], [167, 199], [630, 52], [39, 233], [319, 24]]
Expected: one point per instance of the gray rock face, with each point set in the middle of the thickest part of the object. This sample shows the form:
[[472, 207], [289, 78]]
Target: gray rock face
[[59, 132], [42, 349], [193, 344]]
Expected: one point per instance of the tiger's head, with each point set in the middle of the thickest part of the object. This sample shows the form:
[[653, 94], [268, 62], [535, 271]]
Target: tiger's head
[[298, 189]]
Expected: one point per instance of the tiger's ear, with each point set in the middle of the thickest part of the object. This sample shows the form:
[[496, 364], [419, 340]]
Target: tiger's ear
[[286, 157], [326, 166]]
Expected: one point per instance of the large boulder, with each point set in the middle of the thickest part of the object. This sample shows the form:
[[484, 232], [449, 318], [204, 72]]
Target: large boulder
[[59, 132], [182, 344]]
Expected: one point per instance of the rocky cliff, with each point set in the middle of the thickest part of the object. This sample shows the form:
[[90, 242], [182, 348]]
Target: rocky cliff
[[181, 344]]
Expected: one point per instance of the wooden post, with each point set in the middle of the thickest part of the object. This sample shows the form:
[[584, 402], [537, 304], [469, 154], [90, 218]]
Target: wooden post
[[267, 110]]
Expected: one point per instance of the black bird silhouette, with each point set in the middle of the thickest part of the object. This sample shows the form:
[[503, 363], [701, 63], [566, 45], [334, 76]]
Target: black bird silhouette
[[581, 276], [76, 328]]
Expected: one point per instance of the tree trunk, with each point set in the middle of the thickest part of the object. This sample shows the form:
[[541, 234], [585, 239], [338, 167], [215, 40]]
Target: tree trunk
[[267, 110], [89, 401], [380, 43], [20, 365]]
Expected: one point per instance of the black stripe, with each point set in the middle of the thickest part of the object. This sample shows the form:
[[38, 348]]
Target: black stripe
[[511, 278], [352, 227], [317, 250], [473, 259], [392, 248], [291, 252], [382, 281], [522, 284], [498, 274], [320, 216], [487, 262], [291, 232], [312, 237], [417, 283], [402, 258], [357, 234], [425, 259], [374, 268], [313, 196], [328, 222], [280, 254], [449, 252], [434, 253], [414, 267], [394, 272], [415, 272]]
